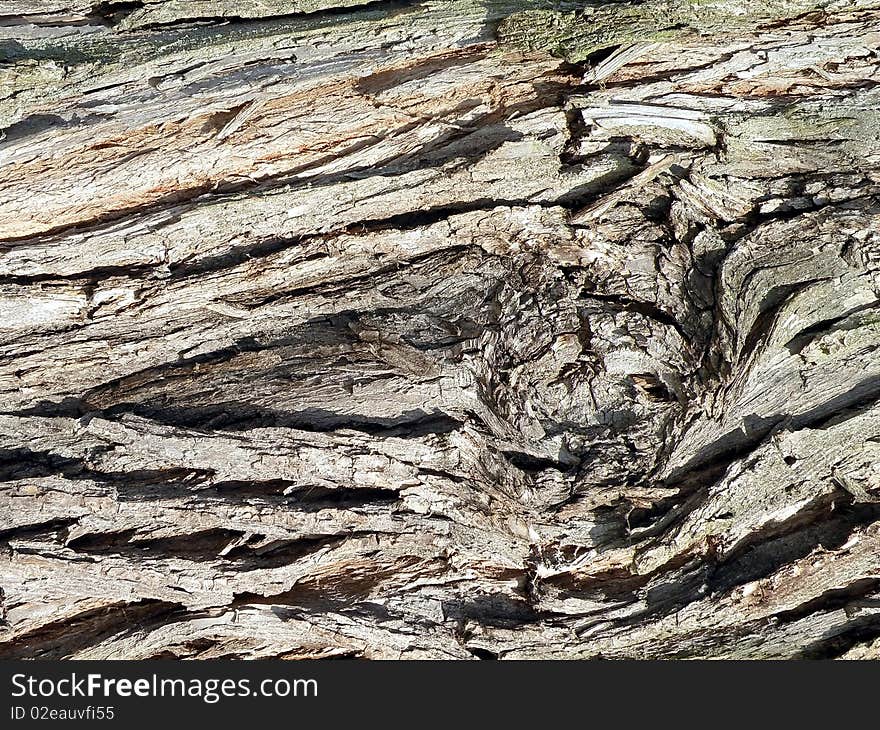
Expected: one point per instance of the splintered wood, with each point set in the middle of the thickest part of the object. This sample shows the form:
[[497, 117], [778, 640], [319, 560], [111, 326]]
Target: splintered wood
[[458, 329]]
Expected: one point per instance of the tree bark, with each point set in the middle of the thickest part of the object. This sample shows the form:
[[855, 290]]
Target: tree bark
[[462, 329]]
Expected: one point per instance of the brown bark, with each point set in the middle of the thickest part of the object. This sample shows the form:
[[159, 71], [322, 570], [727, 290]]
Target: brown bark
[[439, 329]]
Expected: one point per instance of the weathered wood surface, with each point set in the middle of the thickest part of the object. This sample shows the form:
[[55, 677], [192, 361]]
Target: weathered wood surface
[[439, 329]]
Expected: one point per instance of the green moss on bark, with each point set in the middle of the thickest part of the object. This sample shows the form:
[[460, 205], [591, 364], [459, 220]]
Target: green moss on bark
[[576, 34]]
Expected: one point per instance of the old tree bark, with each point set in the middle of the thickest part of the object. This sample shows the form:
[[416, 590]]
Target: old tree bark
[[475, 328]]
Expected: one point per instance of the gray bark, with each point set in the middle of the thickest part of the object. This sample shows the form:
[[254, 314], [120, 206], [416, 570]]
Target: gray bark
[[465, 329]]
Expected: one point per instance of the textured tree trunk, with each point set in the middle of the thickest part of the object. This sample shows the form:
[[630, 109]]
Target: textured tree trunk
[[495, 329]]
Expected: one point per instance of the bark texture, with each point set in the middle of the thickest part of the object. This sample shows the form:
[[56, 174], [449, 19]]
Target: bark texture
[[494, 329]]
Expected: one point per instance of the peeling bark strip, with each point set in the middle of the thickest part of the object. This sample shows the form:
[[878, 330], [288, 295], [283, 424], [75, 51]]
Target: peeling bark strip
[[439, 329]]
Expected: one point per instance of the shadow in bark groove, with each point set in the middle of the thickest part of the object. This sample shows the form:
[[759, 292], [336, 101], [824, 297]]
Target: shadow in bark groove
[[238, 416], [60, 639]]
